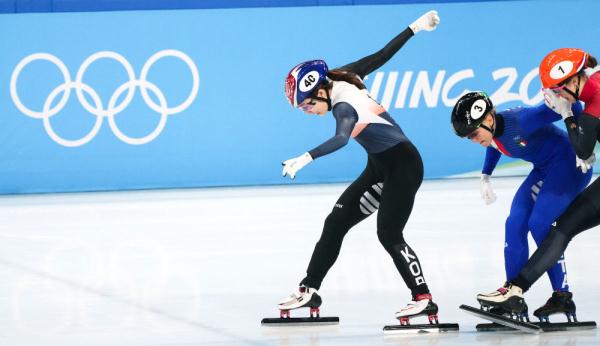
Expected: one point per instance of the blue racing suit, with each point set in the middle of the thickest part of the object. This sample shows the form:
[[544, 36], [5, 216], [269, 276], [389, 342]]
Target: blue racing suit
[[552, 184]]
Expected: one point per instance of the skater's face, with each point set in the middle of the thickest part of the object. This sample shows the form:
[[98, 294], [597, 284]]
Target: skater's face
[[571, 85], [313, 106], [482, 136]]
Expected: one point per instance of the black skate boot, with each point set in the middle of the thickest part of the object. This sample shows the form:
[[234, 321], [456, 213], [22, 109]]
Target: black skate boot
[[560, 302]]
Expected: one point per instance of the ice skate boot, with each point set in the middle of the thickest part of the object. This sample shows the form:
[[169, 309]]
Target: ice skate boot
[[305, 297], [421, 305], [560, 302], [508, 298], [505, 306]]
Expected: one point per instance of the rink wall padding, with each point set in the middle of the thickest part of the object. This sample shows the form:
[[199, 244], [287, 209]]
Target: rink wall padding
[[25, 6], [192, 98]]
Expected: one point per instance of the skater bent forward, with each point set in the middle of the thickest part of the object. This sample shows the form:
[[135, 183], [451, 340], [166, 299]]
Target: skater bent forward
[[389, 182]]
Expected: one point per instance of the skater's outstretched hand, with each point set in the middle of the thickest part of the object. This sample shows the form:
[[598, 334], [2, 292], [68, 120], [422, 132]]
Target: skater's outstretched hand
[[428, 22], [292, 166], [485, 188]]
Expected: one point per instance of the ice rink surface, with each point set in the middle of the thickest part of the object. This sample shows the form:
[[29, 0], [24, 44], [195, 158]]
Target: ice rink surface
[[203, 267]]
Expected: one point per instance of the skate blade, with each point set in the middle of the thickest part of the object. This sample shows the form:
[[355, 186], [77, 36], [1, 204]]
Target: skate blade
[[565, 326], [299, 321], [420, 328], [505, 321], [545, 326]]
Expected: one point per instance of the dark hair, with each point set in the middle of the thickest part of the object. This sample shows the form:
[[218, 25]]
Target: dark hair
[[340, 75], [591, 62], [346, 76]]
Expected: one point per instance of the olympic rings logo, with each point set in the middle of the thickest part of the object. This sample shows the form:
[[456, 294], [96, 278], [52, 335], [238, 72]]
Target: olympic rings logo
[[99, 108]]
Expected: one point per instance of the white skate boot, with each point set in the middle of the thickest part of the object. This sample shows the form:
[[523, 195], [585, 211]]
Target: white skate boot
[[304, 297], [422, 305], [508, 298]]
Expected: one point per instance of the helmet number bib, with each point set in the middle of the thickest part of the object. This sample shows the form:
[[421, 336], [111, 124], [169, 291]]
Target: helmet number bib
[[561, 69], [308, 81], [478, 109]]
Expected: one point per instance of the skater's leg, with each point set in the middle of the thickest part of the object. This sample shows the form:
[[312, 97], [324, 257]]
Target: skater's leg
[[553, 199], [516, 249], [357, 202], [582, 214], [403, 175]]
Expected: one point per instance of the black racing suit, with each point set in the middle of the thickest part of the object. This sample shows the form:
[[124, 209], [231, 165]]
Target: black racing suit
[[389, 182]]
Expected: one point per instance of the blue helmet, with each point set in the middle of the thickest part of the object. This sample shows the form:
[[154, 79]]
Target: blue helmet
[[303, 79]]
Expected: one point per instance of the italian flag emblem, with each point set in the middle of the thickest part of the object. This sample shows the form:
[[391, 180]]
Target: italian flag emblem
[[522, 143]]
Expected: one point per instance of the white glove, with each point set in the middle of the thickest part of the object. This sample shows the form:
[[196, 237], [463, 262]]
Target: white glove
[[292, 166], [585, 165], [485, 187], [427, 22], [558, 104]]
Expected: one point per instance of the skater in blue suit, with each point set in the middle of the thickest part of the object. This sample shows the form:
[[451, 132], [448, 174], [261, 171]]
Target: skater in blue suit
[[552, 184]]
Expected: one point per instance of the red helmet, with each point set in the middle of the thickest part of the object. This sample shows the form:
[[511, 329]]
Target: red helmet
[[560, 65]]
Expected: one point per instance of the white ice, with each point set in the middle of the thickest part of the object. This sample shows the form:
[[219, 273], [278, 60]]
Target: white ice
[[204, 266]]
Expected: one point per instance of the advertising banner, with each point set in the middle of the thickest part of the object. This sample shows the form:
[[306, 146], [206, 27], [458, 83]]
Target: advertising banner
[[189, 98]]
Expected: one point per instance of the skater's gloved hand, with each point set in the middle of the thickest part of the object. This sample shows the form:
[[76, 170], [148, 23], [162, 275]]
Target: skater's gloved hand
[[292, 166], [585, 165], [558, 104], [427, 22], [485, 187]]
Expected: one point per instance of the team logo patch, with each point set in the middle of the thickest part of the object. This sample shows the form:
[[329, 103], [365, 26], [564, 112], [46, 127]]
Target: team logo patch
[[520, 141]]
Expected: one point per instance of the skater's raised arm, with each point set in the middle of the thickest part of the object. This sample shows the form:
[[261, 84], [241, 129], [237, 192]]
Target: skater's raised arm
[[583, 134], [566, 87], [368, 64], [582, 129]]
